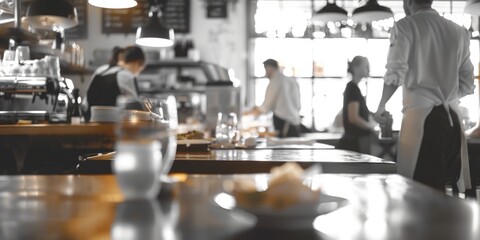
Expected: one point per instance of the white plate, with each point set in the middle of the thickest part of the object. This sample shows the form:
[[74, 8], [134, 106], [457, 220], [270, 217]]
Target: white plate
[[297, 217]]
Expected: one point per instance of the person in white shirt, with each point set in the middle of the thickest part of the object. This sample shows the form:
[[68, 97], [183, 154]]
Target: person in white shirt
[[429, 57], [283, 99]]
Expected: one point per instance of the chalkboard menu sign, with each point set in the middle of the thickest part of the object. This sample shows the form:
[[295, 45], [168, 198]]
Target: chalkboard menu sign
[[81, 30], [175, 14], [78, 32], [217, 9]]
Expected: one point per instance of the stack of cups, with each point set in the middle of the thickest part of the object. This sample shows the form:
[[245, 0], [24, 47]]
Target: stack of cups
[[226, 131]]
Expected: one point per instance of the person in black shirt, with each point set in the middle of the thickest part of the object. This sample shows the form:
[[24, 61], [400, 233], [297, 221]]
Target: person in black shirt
[[117, 78], [355, 111]]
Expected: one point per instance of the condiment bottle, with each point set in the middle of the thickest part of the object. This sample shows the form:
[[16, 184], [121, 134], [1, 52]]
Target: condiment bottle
[[76, 116]]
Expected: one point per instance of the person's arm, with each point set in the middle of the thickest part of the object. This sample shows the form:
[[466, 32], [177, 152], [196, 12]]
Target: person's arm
[[353, 110], [255, 111], [397, 66], [126, 83], [271, 96], [387, 93], [269, 102], [296, 96], [465, 73]]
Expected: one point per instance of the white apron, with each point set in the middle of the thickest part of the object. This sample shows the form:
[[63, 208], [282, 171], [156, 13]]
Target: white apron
[[411, 135]]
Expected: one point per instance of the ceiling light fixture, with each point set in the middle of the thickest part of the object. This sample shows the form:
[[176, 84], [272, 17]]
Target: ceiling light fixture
[[472, 7], [113, 4], [154, 33], [330, 13], [7, 13], [371, 11], [6, 17], [50, 14]]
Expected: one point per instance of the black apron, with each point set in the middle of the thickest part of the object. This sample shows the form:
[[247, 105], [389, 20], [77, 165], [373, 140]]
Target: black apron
[[284, 128], [103, 91]]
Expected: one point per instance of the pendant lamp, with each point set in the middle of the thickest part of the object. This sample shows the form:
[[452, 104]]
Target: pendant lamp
[[154, 33], [330, 13], [6, 17], [472, 7], [371, 11], [51, 14], [113, 4], [6, 12]]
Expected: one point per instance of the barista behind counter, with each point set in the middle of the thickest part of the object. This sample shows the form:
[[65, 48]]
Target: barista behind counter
[[109, 82], [283, 99]]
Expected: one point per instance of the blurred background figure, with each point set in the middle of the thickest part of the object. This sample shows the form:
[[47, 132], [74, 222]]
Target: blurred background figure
[[283, 99], [355, 112], [115, 79]]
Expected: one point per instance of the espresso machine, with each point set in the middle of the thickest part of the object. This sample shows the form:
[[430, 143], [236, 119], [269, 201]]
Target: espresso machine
[[202, 89], [34, 98]]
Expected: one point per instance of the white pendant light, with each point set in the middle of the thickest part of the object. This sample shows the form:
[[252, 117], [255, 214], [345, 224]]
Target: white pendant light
[[154, 33], [330, 13], [472, 7], [371, 11], [113, 4]]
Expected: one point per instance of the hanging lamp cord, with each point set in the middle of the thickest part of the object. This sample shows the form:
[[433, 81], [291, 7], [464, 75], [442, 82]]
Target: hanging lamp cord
[[155, 7]]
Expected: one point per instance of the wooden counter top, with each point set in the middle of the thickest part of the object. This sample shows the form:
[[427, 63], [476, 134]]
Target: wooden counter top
[[381, 207], [238, 161], [57, 129]]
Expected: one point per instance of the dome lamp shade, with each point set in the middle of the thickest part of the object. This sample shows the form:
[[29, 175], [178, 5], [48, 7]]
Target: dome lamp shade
[[6, 17], [472, 7], [371, 11], [330, 13], [154, 33], [51, 14]]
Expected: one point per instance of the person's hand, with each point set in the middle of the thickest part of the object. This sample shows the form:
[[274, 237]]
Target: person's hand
[[254, 111], [373, 126], [247, 113], [379, 115]]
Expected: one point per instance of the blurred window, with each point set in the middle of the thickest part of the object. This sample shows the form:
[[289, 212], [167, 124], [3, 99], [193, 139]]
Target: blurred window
[[316, 55]]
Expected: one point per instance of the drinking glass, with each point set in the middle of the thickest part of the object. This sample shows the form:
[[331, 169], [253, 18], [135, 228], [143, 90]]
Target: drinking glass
[[52, 63], [226, 131], [146, 144], [22, 53], [9, 56], [165, 106], [138, 219]]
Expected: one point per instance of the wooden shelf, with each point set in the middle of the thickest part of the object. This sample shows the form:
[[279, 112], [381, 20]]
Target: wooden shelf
[[67, 69], [24, 35]]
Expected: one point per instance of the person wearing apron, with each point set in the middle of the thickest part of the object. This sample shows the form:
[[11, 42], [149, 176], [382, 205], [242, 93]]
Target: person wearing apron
[[355, 112], [283, 99], [115, 79], [429, 57]]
